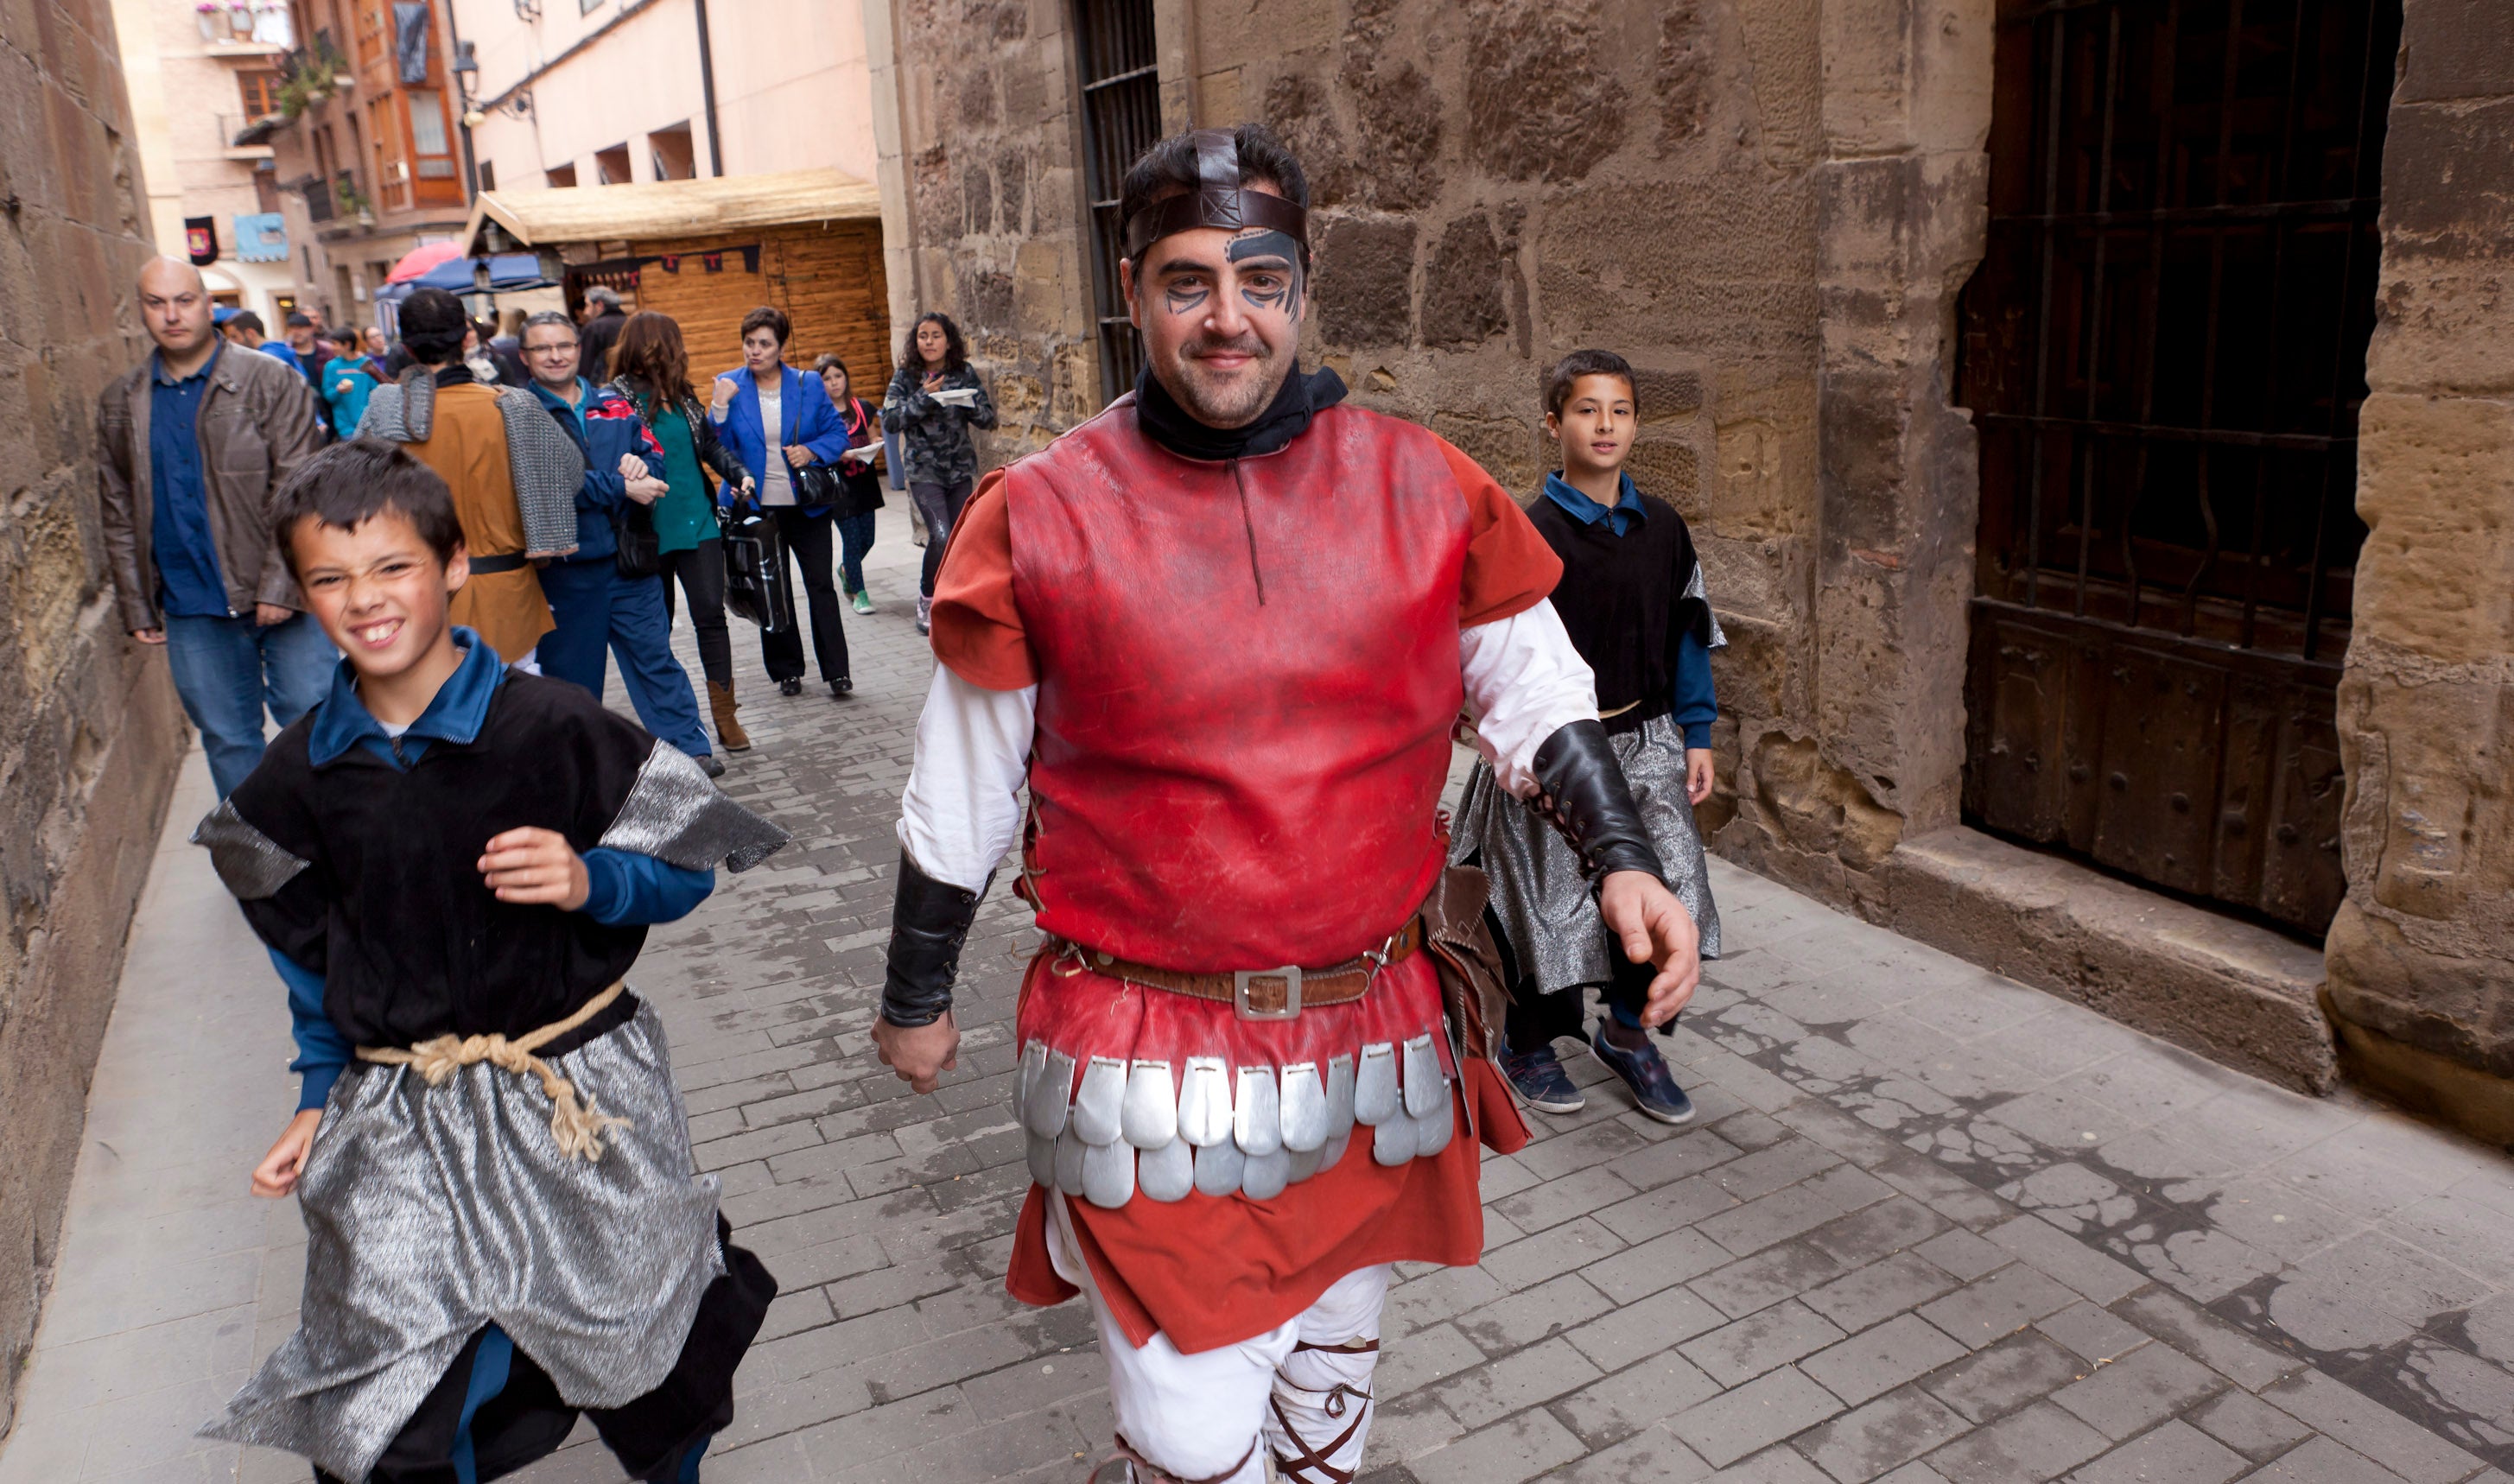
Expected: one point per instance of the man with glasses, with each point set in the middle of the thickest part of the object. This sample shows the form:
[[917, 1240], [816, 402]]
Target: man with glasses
[[192, 443], [595, 604]]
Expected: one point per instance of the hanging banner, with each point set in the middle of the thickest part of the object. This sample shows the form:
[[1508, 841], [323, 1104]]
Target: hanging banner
[[201, 240]]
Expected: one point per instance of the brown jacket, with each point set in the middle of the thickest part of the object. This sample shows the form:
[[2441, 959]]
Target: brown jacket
[[257, 423]]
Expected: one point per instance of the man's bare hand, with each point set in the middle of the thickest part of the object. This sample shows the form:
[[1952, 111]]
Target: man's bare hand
[[277, 1173], [646, 491], [1654, 928], [148, 635], [1700, 766], [268, 614], [536, 865], [919, 1054]]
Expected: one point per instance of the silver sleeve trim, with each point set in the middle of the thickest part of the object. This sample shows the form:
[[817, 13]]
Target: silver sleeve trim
[[252, 865], [678, 814], [1695, 588]]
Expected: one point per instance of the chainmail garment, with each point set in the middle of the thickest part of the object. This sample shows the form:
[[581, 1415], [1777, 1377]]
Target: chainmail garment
[[251, 864], [1539, 891], [431, 1212], [675, 813], [545, 463]]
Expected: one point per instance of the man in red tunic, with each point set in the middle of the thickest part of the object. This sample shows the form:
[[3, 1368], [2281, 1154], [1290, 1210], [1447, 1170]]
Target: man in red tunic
[[1222, 631]]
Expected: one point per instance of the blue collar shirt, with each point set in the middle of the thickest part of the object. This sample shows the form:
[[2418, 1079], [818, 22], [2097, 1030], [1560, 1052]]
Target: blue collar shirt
[[1628, 510], [180, 544], [454, 714]]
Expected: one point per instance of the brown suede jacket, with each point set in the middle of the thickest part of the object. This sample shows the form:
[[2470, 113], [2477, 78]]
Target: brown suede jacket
[[257, 423]]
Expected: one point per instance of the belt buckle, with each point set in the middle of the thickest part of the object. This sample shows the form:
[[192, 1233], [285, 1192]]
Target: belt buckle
[[1289, 974]]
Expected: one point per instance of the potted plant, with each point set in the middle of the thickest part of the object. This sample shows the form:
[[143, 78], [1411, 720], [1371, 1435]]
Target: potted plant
[[213, 19], [240, 20]]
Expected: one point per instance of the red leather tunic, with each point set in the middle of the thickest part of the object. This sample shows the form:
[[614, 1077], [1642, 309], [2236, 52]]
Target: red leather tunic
[[1248, 672]]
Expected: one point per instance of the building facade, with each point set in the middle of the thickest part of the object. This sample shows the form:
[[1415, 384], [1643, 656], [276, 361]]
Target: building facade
[[367, 145], [90, 731], [2011, 361], [611, 92], [198, 76]]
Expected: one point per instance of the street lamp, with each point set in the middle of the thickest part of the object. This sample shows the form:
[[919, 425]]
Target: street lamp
[[466, 73]]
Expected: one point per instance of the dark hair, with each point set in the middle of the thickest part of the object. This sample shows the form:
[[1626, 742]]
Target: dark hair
[[828, 360], [432, 326], [649, 351], [769, 317], [956, 351], [357, 479], [246, 319], [299, 320], [1584, 363], [1169, 169], [340, 335]]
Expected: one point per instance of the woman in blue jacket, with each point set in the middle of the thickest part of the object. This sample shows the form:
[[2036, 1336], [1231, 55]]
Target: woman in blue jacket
[[745, 404]]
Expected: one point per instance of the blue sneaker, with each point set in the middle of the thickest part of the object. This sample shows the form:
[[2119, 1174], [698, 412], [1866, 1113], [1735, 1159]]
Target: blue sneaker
[[1645, 1072], [1538, 1077]]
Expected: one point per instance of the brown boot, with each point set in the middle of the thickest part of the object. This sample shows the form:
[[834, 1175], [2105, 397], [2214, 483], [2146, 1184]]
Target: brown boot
[[728, 729]]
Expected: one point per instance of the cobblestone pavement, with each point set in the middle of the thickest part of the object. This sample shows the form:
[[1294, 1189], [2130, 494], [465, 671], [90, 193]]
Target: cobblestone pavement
[[1930, 1225]]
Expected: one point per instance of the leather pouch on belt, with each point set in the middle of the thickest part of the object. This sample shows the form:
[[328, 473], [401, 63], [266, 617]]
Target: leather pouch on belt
[[1462, 947]]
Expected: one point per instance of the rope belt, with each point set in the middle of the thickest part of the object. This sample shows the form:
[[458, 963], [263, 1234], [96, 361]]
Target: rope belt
[[578, 1129]]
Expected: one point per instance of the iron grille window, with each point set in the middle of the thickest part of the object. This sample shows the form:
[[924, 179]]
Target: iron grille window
[[1121, 118], [2165, 351]]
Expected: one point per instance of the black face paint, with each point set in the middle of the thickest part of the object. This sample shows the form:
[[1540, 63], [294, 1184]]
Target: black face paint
[[1262, 243], [1186, 295]]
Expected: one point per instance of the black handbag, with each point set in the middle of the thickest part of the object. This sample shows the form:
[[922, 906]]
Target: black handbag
[[754, 570], [637, 551], [816, 485]]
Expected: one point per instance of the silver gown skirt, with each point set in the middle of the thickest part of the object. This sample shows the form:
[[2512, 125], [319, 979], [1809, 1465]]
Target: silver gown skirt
[[434, 1211], [1538, 889]]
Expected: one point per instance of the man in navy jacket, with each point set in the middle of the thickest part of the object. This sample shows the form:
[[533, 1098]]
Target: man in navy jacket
[[593, 605]]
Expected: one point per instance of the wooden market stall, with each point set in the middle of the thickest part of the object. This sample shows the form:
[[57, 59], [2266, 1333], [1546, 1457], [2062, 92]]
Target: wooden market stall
[[709, 251]]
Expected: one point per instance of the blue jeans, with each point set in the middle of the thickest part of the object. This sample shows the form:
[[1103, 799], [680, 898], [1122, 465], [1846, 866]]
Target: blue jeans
[[230, 670], [855, 539], [596, 608]]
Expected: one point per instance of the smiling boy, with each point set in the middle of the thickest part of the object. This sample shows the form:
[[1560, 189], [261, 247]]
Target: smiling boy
[[453, 866], [1633, 601]]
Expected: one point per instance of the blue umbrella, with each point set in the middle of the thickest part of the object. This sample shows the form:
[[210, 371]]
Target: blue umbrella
[[509, 273]]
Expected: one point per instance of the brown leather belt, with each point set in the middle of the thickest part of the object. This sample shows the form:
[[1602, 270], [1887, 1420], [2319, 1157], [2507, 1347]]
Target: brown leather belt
[[1258, 994]]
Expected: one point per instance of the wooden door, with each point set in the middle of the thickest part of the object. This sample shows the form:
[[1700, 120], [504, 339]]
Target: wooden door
[[2165, 349]]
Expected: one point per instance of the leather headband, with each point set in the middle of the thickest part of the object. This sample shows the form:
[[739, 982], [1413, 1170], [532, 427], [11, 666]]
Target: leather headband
[[1218, 201]]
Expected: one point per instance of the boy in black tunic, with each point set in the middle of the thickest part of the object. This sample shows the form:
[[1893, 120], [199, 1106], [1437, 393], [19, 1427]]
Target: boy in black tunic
[[1632, 599], [453, 866]]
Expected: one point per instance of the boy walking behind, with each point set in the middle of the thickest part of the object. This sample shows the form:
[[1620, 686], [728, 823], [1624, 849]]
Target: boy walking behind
[[453, 865], [1633, 600]]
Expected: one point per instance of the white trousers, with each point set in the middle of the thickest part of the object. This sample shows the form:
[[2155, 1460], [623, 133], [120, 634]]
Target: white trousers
[[1302, 1389]]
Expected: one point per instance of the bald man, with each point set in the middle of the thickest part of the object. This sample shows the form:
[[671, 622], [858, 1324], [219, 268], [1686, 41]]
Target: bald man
[[190, 444]]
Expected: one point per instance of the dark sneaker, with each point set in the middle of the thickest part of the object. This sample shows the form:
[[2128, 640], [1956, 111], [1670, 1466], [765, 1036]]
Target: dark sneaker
[[710, 765], [1538, 1077], [1645, 1072]]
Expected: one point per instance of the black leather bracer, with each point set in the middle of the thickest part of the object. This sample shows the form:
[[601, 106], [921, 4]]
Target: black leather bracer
[[1581, 788], [929, 921]]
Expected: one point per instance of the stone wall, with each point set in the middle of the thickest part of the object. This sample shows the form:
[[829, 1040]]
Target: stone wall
[[89, 728], [2421, 956]]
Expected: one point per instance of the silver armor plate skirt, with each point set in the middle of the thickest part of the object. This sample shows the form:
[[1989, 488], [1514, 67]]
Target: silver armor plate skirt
[[434, 1211], [1538, 889]]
